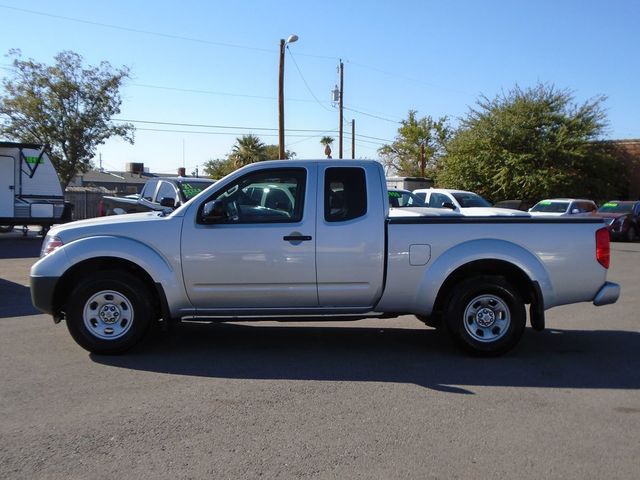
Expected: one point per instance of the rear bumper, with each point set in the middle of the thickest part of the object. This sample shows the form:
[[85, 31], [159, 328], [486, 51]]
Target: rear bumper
[[607, 294]]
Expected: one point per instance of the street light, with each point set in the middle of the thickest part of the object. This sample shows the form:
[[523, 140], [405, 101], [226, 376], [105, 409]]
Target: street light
[[283, 42]]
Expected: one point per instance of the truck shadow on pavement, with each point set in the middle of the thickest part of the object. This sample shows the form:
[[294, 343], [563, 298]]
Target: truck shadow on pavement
[[549, 359], [15, 300], [14, 245]]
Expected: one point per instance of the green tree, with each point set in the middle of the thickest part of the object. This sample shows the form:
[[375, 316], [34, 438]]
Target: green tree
[[246, 149], [404, 155], [273, 152], [327, 142], [218, 168], [531, 144], [65, 106]]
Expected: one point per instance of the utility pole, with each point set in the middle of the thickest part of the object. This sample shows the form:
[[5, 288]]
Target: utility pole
[[340, 106], [353, 138], [283, 42], [281, 103]]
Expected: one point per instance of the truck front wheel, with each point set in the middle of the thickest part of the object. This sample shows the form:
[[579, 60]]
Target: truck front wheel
[[485, 315], [108, 313]]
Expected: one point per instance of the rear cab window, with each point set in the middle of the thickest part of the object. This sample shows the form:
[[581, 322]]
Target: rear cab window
[[149, 190], [166, 190], [345, 193]]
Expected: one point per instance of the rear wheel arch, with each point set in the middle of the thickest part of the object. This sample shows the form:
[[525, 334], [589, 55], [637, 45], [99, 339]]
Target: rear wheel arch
[[485, 315], [512, 274]]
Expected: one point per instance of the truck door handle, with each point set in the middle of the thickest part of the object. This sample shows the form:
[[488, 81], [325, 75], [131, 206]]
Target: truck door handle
[[296, 238]]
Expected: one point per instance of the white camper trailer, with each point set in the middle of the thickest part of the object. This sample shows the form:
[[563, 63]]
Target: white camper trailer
[[30, 192], [409, 183]]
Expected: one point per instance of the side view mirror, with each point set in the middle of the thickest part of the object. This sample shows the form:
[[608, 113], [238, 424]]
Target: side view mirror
[[448, 205], [575, 210], [214, 212], [168, 202]]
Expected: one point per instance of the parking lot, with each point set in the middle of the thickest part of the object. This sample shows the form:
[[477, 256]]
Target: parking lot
[[368, 399]]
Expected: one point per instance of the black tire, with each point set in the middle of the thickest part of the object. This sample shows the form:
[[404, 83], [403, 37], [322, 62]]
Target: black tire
[[485, 315], [118, 312], [632, 235]]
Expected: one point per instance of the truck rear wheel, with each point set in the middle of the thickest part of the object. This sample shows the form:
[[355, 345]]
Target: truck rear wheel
[[109, 313], [485, 315]]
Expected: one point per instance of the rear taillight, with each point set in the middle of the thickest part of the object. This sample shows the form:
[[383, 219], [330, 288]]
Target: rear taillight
[[603, 247], [101, 211]]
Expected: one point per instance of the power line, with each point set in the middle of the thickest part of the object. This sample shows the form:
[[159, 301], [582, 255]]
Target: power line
[[411, 79], [218, 44], [200, 132], [202, 125], [236, 127], [373, 138], [213, 133], [305, 139], [208, 92], [262, 97], [151, 32], [212, 92], [135, 30], [241, 95], [305, 81], [371, 115]]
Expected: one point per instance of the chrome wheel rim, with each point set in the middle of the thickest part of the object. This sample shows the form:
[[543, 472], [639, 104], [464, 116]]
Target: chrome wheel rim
[[108, 315], [487, 318]]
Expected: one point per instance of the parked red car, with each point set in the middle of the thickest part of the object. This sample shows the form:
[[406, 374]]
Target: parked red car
[[623, 219]]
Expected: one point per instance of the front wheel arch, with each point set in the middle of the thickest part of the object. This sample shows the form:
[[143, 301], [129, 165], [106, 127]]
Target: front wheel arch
[[87, 268]]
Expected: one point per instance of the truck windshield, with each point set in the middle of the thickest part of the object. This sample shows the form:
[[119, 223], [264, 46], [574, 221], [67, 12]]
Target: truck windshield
[[548, 206], [616, 207], [400, 198], [467, 200], [191, 189]]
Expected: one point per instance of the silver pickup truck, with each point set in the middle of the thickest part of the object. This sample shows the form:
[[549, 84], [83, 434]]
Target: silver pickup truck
[[314, 240]]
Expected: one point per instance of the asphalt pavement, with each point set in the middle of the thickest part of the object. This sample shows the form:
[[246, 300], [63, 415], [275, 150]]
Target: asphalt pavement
[[373, 399]]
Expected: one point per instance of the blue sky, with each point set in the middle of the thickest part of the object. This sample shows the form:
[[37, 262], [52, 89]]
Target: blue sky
[[216, 63]]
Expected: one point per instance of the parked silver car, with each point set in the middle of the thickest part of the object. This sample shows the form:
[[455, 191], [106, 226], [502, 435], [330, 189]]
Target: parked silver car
[[557, 207]]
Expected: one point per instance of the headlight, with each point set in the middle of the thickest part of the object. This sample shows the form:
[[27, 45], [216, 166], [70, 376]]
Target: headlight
[[49, 245]]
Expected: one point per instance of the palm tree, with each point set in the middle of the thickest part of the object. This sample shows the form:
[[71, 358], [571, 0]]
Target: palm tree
[[327, 141], [247, 149]]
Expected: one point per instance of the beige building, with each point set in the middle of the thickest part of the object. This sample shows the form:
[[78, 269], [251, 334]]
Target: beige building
[[630, 153]]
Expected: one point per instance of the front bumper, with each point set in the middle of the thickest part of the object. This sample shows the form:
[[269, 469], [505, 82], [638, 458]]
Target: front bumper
[[42, 289], [608, 293]]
